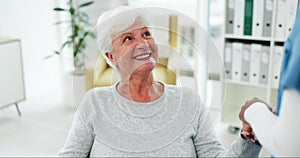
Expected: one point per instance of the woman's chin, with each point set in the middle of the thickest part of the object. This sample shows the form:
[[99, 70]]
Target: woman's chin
[[145, 68]]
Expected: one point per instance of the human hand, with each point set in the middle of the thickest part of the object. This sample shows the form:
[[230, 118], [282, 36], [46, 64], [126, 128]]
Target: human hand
[[247, 132], [248, 103]]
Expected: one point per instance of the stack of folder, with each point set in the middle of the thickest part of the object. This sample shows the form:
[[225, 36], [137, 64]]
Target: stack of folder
[[250, 63], [285, 17], [254, 17]]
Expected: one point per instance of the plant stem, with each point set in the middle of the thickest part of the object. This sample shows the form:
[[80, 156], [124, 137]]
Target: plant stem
[[73, 22], [74, 32]]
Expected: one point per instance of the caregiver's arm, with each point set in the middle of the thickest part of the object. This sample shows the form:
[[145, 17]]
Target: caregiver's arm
[[279, 135]]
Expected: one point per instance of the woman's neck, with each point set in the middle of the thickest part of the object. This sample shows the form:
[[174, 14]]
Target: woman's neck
[[140, 88]]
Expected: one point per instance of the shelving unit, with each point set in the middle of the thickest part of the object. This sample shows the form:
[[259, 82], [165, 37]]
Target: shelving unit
[[230, 36], [236, 93]]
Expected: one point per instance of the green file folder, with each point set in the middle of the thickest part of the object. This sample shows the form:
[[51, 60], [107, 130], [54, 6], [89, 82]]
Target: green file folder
[[248, 17]]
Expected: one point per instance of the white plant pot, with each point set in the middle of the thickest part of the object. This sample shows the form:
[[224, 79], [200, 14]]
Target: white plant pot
[[74, 88]]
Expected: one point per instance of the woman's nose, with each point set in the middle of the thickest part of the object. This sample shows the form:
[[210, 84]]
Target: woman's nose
[[142, 43]]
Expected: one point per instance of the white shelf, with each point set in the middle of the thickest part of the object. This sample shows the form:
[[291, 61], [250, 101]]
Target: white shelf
[[230, 36], [246, 84], [280, 40]]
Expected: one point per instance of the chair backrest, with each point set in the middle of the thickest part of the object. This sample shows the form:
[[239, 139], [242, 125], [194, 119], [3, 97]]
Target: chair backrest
[[105, 75]]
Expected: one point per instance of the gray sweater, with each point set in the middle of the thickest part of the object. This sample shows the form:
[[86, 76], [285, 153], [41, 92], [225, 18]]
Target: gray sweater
[[175, 125]]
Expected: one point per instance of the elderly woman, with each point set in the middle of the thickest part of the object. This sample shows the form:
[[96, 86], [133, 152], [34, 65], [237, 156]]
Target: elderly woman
[[139, 116]]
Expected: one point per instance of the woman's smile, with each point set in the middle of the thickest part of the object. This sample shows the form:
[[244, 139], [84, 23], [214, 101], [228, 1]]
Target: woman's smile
[[143, 56]]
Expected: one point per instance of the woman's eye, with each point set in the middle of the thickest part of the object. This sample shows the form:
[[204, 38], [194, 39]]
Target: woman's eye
[[127, 39], [147, 34]]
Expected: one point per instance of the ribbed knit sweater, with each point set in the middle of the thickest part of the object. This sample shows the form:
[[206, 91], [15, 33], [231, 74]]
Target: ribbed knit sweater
[[175, 125]]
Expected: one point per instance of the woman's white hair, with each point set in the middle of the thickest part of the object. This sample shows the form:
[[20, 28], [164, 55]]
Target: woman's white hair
[[113, 22]]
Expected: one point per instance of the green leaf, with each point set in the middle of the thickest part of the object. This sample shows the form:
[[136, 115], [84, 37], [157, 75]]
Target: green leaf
[[83, 17], [47, 57], [92, 34], [61, 22], [86, 4], [71, 36], [57, 52], [66, 43], [59, 9], [51, 55]]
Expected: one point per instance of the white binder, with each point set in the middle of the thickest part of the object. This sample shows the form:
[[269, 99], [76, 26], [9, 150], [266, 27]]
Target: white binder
[[264, 65], [267, 20], [237, 49], [227, 60], [280, 19], [255, 63], [278, 53], [258, 14], [230, 16], [239, 12], [291, 12], [246, 62]]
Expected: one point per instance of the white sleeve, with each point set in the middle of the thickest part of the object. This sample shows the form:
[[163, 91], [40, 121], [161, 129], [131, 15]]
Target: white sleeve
[[278, 135]]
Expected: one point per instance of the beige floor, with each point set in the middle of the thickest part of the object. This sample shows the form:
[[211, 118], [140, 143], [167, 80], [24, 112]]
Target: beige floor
[[43, 127]]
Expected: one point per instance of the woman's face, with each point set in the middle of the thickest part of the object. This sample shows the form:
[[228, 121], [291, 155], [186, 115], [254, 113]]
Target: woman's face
[[134, 50]]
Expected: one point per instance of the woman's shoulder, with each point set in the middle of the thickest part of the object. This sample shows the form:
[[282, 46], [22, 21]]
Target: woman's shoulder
[[96, 95], [96, 91], [184, 91], [102, 89]]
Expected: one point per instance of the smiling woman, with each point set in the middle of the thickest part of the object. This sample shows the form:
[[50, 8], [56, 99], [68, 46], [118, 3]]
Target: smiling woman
[[134, 53], [139, 116]]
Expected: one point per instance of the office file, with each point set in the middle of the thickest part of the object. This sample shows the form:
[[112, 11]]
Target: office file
[[229, 16], [248, 17], [280, 19], [246, 62], [291, 11], [236, 68], [267, 17], [264, 65], [255, 63], [278, 52], [258, 15], [239, 12], [227, 60]]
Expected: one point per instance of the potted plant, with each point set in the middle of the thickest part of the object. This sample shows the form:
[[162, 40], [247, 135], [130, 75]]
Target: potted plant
[[79, 24]]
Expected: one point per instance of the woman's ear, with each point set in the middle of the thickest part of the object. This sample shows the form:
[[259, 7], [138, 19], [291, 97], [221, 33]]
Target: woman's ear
[[109, 56]]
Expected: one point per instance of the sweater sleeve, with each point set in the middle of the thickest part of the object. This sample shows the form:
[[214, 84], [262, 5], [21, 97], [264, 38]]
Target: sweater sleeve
[[81, 136], [208, 145]]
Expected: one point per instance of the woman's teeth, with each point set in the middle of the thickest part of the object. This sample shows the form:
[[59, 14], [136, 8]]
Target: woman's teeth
[[142, 56]]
